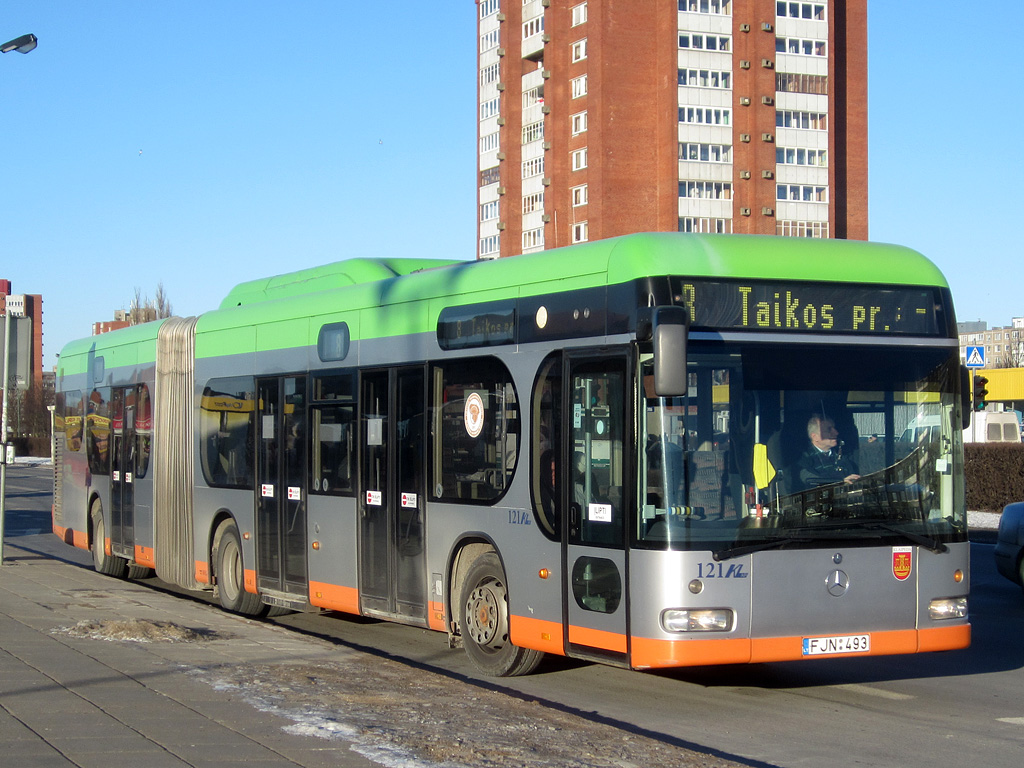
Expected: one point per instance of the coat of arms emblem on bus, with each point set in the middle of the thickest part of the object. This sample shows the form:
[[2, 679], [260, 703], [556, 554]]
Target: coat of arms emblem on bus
[[902, 562]]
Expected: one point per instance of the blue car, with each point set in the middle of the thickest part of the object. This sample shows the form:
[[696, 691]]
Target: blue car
[[1009, 552]]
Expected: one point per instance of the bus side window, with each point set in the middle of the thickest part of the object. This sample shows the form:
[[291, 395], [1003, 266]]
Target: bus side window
[[334, 420], [545, 473]]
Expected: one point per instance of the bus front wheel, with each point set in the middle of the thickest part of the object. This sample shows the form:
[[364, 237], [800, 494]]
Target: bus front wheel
[[230, 573], [485, 622]]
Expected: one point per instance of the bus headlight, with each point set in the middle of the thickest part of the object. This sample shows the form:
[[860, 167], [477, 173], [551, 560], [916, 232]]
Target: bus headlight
[[697, 620], [948, 608]]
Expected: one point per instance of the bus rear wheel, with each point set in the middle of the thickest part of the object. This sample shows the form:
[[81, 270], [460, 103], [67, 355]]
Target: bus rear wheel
[[230, 573], [485, 622], [110, 565]]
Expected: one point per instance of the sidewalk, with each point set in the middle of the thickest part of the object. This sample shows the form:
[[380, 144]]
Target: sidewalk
[[81, 701]]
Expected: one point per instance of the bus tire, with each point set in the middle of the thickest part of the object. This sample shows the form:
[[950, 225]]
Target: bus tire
[[110, 565], [136, 571], [230, 573], [485, 622]]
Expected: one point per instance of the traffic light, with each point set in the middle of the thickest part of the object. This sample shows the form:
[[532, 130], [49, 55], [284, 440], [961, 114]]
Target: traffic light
[[980, 392]]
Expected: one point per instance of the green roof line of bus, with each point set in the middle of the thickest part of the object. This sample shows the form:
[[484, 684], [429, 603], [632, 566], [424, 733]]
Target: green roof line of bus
[[338, 274], [404, 296]]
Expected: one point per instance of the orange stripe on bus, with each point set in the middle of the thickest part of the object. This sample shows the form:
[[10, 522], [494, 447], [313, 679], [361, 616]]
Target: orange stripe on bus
[[650, 654], [107, 548], [435, 616], [145, 556], [80, 539], [202, 572], [536, 634], [597, 638], [334, 597], [249, 580]]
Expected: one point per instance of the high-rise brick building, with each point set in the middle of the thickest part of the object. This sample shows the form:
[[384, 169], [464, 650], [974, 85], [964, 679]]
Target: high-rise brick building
[[33, 309], [602, 117]]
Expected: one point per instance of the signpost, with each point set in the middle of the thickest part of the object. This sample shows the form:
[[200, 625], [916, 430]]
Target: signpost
[[975, 359]]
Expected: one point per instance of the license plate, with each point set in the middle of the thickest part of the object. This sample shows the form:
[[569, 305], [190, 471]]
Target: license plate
[[820, 646]]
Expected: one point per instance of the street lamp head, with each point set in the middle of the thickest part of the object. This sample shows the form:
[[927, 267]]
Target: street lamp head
[[22, 44]]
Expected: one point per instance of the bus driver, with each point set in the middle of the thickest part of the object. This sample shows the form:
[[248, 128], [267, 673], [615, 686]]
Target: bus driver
[[823, 462]]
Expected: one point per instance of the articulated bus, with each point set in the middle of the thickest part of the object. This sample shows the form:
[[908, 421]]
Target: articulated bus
[[597, 451]]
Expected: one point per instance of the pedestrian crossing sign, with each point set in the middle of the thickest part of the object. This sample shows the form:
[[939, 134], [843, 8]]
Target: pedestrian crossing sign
[[975, 357]]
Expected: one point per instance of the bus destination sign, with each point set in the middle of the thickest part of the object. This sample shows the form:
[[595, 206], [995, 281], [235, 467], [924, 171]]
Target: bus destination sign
[[810, 307]]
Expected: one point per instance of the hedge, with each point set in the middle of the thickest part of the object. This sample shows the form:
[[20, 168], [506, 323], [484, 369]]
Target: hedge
[[993, 475]]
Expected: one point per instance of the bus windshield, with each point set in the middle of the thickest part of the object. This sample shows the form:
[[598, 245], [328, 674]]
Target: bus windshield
[[802, 446]]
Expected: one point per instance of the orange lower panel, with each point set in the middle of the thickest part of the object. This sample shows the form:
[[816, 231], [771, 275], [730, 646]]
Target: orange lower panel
[[652, 654], [145, 556], [71, 536], [537, 635], [334, 597], [249, 581], [202, 572], [435, 616], [596, 638], [80, 539]]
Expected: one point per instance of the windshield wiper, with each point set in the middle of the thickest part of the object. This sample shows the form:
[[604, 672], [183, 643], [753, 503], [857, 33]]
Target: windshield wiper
[[746, 549], [925, 541]]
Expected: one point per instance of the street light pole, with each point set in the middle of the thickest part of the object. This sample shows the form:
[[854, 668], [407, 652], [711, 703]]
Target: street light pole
[[22, 44]]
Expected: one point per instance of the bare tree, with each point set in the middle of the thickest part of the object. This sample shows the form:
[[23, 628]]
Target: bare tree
[[145, 310], [162, 304]]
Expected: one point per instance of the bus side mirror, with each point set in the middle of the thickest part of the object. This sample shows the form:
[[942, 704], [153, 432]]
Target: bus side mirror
[[966, 397], [669, 331]]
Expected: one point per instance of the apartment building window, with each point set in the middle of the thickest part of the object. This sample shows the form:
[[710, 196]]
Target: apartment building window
[[803, 193], [579, 196], [579, 123], [489, 211], [791, 156], [813, 11], [533, 132], [489, 74], [532, 97], [488, 7], [579, 50], [699, 224], [489, 245], [488, 40], [706, 6], [579, 86], [705, 190], [705, 116], [489, 143], [813, 121], [534, 167], [488, 108], [580, 232], [533, 27], [579, 159], [790, 82], [533, 238], [802, 228], [490, 175], [533, 203], [705, 78], [579, 14], [707, 153], [799, 46], [705, 42]]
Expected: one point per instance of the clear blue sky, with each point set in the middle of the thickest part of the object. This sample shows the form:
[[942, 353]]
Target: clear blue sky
[[206, 142]]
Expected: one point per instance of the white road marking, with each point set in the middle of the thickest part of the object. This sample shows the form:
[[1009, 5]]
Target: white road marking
[[1011, 720], [868, 690]]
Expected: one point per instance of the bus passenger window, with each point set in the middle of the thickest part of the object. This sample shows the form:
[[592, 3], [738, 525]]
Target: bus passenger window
[[546, 429], [143, 430], [334, 419], [73, 420], [226, 417], [98, 420], [475, 430]]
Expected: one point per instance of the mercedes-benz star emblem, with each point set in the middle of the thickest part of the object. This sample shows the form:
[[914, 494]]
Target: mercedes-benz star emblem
[[837, 583]]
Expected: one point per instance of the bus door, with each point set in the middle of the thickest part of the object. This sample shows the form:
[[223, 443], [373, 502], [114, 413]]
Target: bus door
[[122, 473], [594, 491], [280, 486], [392, 575]]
